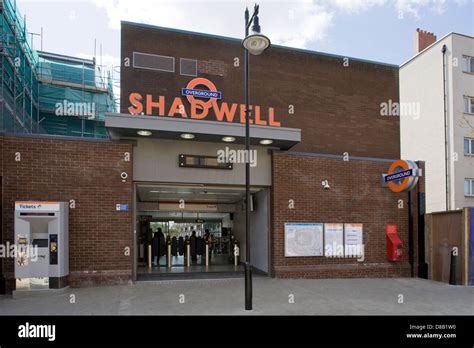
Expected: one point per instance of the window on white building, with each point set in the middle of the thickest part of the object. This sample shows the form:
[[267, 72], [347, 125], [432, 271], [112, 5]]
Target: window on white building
[[469, 104], [469, 187], [468, 65], [468, 146]]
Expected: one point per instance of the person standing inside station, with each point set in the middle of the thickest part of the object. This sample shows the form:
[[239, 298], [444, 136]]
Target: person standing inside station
[[193, 244], [158, 244]]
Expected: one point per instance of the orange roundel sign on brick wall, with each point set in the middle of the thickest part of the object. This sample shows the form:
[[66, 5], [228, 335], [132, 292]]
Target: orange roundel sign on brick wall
[[402, 176]]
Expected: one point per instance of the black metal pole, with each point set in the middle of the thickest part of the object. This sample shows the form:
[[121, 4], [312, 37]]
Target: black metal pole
[[247, 267], [446, 145]]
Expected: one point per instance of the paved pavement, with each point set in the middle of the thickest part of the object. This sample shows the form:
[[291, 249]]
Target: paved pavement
[[271, 297]]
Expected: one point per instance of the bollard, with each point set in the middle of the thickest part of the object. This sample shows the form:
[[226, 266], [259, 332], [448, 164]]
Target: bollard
[[207, 253], [168, 255], [452, 271], [149, 256], [188, 254]]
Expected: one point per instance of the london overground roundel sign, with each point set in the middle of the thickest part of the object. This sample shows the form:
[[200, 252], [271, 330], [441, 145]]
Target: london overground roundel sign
[[402, 176]]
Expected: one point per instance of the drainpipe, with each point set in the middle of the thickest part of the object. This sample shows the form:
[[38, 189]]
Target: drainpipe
[[411, 245], [446, 156]]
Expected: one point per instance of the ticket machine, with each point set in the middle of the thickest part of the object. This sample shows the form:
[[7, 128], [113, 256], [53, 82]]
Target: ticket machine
[[42, 244]]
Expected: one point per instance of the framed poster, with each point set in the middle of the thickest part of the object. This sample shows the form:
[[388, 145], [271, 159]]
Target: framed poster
[[353, 239], [334, 240], [303, 239]]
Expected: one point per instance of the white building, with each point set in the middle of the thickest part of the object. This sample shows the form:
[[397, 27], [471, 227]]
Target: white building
[[438, 84]]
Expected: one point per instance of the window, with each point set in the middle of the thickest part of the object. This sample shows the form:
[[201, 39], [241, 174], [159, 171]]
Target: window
[[469, 146], [468, 65], [469, 105], [188, 67], [469, 187], [153, 62]]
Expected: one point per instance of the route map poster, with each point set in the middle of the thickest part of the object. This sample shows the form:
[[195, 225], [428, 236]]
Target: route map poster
[[304, 239]]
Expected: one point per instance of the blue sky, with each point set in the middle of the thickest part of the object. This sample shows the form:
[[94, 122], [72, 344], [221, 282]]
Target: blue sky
[[381, 36], [378, 30]]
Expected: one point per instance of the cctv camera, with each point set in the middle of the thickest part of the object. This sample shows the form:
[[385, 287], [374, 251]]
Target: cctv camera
[[124, 175], [325, 184]]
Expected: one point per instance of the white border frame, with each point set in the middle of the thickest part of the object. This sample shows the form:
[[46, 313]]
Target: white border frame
[[303, 223], [181, 66], [154, 55]]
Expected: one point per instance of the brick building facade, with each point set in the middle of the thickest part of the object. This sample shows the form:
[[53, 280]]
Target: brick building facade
[[332, 101], [353, 197]]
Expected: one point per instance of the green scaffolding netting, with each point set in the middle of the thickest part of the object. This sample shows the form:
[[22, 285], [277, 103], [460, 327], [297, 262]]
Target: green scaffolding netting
[[60, 100], [82, 75], [71, 126]]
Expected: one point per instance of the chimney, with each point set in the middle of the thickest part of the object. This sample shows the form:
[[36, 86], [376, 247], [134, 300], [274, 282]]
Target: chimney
[[423, 39]]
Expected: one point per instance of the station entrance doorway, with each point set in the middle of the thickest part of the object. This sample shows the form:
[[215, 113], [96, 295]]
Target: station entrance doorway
[[177, 229], [197, 231]]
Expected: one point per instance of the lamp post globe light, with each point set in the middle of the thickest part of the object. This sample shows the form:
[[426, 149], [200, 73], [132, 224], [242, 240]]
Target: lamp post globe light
[[254, 43]]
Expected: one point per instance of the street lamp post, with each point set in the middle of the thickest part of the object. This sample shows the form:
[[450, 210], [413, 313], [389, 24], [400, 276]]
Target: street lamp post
[[255, 44]]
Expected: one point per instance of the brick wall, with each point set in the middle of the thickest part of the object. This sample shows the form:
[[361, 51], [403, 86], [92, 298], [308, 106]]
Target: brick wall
[[89, 173], [355, 196], [212, 67]]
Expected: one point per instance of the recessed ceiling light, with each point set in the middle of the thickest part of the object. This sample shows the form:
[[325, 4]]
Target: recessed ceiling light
[[228, 139], [144, 133], [266, 142], [187, 136]]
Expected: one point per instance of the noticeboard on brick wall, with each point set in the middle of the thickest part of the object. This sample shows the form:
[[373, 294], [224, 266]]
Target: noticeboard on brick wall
[[329, 239], [353, 240], [303, 239], [334, 240]]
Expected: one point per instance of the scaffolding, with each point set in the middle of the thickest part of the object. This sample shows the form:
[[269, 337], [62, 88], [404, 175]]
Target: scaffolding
[[74, 95], [19, 108], [48, 93]]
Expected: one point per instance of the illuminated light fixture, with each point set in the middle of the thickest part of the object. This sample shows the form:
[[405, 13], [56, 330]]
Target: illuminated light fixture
[[228, 139], [266, 142], [144, 133], [187, 136]]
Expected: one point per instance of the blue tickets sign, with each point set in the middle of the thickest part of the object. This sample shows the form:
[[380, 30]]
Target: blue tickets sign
[[121, 207]]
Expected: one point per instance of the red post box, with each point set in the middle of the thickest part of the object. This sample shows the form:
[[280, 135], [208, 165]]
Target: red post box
[[394, 244]]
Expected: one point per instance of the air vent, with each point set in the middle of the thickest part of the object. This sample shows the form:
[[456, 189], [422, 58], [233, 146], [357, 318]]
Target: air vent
[[153, 62], [212, 67], [188, 67]]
